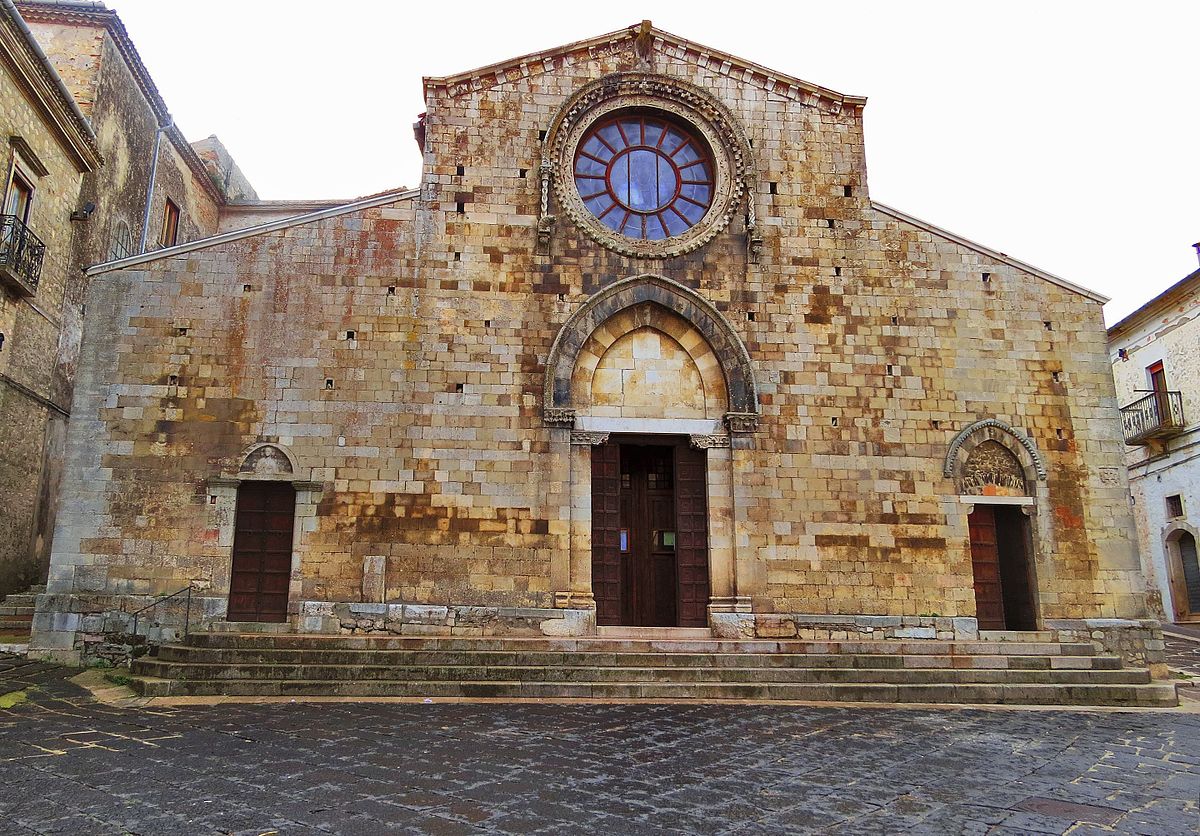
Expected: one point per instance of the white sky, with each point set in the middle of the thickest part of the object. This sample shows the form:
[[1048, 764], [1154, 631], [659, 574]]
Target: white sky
[[1061, 133]]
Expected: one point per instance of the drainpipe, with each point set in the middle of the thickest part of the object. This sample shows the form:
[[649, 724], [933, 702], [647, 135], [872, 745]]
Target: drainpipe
[[150, 187]]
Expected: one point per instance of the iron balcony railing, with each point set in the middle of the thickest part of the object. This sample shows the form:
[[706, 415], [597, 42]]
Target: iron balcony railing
[[21, 252], [1156, 415]]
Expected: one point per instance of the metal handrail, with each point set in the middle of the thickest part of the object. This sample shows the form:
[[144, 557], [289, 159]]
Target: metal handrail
[[21, 250], [187, 617], [1157, 412]]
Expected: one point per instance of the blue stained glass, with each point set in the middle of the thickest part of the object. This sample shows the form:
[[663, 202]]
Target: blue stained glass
[[586, 165], [599, 203], [612, 136], [675, 224], [655, 230], [690, 211], [686, 154], [673, 141], [696, 192], [597, 149], [643, 177]]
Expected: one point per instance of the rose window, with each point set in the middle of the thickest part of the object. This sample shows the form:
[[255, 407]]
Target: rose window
[[643, 176]]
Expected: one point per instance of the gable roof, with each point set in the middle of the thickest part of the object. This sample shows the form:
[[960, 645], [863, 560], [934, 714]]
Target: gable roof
[[381, 199], [989, 252], [94, 13], [35, 74], [536, 63], [1169, 298]]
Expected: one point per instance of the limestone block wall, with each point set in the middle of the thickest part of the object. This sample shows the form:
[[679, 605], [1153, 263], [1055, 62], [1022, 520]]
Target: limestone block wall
[[399, 352]]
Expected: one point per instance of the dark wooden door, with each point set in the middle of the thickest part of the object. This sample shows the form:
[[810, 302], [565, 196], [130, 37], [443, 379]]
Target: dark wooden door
[[649, 535], [606, 532], [691, 499], [262, 552], [985, 564]]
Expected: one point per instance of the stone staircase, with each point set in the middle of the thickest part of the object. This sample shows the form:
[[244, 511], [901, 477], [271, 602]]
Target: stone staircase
[[16, 611], [602, 668]]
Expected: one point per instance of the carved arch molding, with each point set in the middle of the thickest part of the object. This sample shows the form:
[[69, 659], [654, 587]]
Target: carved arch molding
[[558, 410], [991, 432]]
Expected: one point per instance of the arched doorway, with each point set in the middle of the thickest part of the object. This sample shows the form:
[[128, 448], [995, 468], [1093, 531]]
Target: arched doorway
[[264, 524], [1185, 575], [652, 382], [995, 470]]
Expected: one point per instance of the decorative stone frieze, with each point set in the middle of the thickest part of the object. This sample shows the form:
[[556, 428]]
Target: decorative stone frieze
[[554, 416], [707, 442], [581, 439], [741, 422]]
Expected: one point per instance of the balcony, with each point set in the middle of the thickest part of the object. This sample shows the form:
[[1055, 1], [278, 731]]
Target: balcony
[[1158, 415], [21, 255]]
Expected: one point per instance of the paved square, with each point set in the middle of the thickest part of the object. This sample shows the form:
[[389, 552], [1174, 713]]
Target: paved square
[[72, 765]]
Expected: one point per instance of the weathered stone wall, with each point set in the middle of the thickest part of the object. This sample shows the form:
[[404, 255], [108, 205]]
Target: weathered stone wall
[[30, 327], [398, 352]]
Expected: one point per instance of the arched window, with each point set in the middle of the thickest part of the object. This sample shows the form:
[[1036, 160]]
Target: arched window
[[121, 245], [643, 176]]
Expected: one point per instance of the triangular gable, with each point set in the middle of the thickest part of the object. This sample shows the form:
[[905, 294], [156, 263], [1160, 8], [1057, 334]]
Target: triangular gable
[[995, 255], [382, 199], [536, 63]]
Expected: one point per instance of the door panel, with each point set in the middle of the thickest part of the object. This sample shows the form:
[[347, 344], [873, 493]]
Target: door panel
[[606, 533], [649, 535], [262, 552], [985, 564], [691, 470], [1191, 575]]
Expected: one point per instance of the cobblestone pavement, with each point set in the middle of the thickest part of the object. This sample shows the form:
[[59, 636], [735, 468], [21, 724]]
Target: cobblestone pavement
[[71, 765]]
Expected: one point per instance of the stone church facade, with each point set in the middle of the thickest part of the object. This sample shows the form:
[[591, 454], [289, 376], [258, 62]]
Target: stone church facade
[[640, 351]]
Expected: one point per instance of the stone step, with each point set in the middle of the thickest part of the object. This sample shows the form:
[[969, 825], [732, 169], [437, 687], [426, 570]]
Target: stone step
[[235, 674], [1153, 694], [8, 610], [493, 658], [15, 624], [655, 633], [253, 628], [915, 647], [1016, 636]]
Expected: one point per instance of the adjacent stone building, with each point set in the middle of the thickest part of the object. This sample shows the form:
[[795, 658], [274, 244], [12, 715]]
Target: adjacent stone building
[[1155, 353], [48, 149], [640, 350], [84, 213]]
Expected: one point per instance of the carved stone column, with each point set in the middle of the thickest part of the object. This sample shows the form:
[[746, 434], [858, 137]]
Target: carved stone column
[[578, 590]]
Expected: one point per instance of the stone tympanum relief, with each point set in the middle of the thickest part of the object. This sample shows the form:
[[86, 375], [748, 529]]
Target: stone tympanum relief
[[991, 470]]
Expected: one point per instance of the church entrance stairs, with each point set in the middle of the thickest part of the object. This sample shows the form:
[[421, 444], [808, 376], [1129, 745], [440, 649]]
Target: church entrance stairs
[[16, 612], [615, 668]]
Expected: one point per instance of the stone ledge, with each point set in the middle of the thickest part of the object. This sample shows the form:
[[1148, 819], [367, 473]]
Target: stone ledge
[[821, 627], [1138, 641], [330, 617]]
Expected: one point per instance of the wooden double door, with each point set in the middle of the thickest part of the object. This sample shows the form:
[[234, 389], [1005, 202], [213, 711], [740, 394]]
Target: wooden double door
[[262, 552], [1000, 562], [650, 535]]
